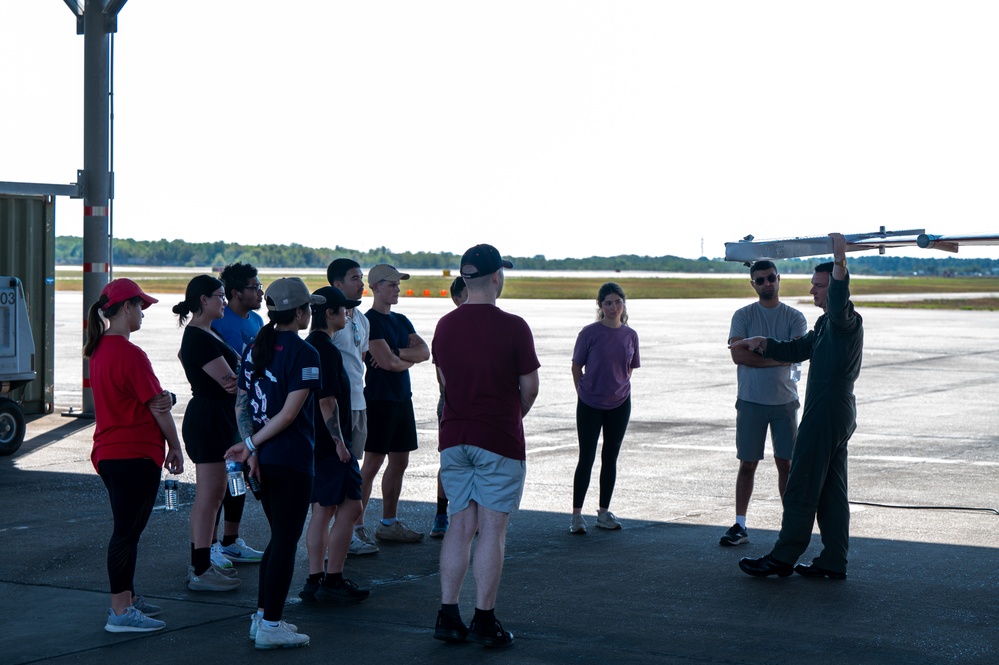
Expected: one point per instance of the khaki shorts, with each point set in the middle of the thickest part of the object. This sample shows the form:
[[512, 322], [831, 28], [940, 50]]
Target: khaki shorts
[[470, 474], [358, 432], [752, 422]]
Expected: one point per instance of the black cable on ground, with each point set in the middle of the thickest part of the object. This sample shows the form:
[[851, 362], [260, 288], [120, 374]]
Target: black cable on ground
[[889, 505]]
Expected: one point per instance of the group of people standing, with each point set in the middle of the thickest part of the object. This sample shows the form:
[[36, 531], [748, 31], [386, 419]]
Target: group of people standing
[[299, 415]]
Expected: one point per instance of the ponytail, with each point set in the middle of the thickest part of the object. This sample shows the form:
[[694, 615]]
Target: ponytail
[[182, 310], [263, 343], [95, 330]]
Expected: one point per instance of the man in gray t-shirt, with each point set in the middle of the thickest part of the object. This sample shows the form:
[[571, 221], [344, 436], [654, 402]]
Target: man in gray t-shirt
[[352, 341], [768, 391]]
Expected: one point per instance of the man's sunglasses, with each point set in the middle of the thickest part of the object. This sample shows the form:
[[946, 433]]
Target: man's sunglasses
[[769, 278]]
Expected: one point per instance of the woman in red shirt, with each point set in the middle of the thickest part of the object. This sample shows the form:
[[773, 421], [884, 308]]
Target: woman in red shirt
[[132, 413]]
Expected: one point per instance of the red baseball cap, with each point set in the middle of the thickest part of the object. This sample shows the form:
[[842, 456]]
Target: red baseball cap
[[120, 290]]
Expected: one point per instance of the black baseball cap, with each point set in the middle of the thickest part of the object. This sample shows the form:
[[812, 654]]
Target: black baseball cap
[[334, 299], [482, 260]]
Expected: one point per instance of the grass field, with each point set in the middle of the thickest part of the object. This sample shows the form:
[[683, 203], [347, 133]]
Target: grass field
[[570, 288]]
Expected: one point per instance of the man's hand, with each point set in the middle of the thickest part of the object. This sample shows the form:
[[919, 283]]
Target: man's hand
[[755, 344]]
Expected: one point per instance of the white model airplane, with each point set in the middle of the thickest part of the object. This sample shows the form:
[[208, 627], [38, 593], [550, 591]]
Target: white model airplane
[[748, 249]]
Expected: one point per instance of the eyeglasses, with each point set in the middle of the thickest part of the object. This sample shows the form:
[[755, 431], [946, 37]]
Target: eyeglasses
[[220, 296], [259, 288], [769, 278]]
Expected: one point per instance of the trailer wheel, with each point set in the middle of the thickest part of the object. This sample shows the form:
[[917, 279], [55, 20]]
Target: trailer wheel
[[11, 426]]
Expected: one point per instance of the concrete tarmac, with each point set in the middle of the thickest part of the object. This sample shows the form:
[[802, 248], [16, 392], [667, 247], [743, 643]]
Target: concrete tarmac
[[923, 577]]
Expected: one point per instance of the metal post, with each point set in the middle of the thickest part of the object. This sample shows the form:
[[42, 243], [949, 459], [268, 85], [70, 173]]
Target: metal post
[[97, 179]]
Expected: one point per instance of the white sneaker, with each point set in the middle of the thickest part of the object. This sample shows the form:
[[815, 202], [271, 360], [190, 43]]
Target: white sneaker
[[213, 579], [132, 621], [608, 520], [240, 552], [281, 637], [578, 524], [255, 624], [219, 558], [358, 546]]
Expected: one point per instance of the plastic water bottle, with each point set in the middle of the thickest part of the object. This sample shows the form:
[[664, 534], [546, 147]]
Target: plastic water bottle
[[237, 487], [170, 493], [795, 372]]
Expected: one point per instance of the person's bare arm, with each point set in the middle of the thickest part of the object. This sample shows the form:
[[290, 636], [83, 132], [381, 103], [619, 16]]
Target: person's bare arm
[[219, 370], [746, 356], [529, 386], [285, 417], [384, 358], [577, 374], [417, 351], [174, 462], [331, 416]]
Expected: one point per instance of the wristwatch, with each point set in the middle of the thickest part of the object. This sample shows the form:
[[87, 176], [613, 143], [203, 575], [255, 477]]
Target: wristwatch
[[840, 263]]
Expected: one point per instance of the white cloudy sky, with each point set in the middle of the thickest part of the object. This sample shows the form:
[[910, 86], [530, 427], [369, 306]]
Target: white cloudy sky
[[569, 128]]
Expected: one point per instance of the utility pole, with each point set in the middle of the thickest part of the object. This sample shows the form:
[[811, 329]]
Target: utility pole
[[96, 20]]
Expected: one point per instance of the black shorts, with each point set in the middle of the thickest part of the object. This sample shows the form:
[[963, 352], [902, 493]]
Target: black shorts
[[336, 481], [209, 429], [391, 427]]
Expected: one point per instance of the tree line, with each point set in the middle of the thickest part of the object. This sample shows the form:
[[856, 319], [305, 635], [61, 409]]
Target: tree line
[[179, 253]]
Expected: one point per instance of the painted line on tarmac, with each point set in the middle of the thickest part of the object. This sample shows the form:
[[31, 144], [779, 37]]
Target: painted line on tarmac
[[873, 458]]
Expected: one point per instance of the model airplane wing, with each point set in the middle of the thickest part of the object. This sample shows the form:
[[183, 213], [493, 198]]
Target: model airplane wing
[[748, 249]]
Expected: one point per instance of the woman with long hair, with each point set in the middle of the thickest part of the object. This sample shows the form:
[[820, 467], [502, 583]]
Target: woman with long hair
[[209, 427], [275, 415], [133, 421], [606, 352]]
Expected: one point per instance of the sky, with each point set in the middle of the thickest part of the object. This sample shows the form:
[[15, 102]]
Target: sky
[[566, 129]]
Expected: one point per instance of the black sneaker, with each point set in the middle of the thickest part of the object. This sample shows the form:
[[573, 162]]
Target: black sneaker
[[341, 594], [308, 592], [491, 635], [737, 535], [449, 628]]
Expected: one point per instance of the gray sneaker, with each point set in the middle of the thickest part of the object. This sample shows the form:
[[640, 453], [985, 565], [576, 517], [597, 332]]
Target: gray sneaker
[[281, 637], [361, 533], [398, 532], [608, 520], [132, 621], [255, 624], [212, 579], [736, 535], [578, 525], [148, 609], [358, 546]]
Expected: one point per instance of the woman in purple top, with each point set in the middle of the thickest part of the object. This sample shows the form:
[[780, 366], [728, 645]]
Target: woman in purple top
[[606, 353]]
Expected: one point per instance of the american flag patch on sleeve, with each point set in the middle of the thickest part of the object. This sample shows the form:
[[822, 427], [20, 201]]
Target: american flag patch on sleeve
[[310, 374]]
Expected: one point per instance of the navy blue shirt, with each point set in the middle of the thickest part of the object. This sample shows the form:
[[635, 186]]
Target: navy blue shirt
[[295, 366], [381, 384]]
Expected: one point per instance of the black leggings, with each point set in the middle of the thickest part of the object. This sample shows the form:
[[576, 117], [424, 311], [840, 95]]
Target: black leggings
[[233, 506], [132, 487], [285, 495], [589, 421]]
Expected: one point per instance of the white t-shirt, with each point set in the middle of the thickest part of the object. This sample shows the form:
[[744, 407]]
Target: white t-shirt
[[353, 344]]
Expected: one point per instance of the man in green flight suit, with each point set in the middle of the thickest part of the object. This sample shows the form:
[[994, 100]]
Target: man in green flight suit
[[817, 486]]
